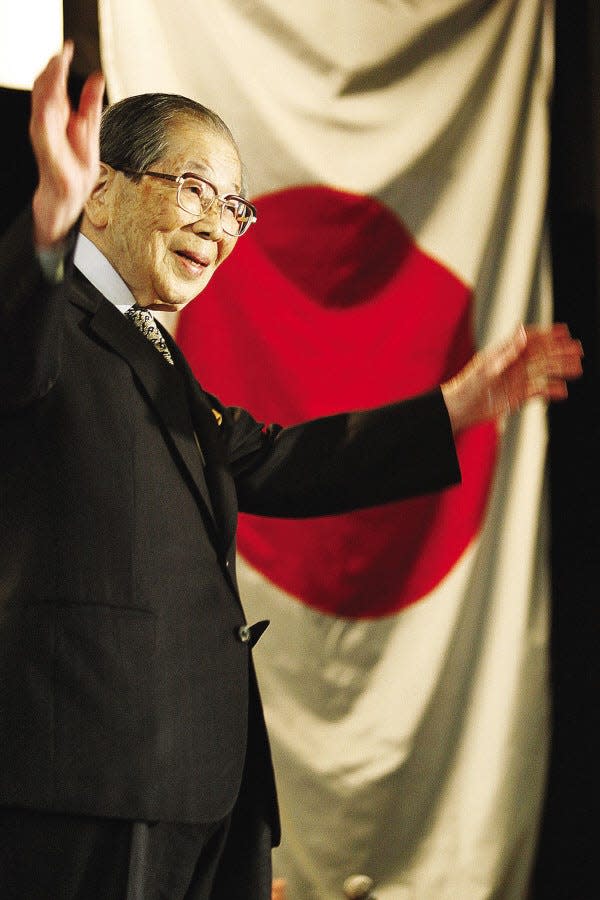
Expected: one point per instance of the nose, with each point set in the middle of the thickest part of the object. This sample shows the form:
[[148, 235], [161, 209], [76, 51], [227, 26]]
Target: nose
[[209, 225]]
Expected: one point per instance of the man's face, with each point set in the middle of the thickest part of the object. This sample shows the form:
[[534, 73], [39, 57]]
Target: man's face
[[165, 255]]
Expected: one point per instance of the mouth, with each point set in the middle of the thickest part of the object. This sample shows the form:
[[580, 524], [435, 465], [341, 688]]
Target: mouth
[[194, 263]]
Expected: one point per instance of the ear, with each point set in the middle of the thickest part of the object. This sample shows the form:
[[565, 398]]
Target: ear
[[98, 204]]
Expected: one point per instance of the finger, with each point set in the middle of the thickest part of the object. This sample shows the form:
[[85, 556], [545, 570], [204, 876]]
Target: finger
[[558, 363], [548, 386], [538, 382], [43, 86], [567, 366], [560, 329], [568, 345], [565, 345], [54, 76], [545, 351], [66, 58], [84, 129], [555, 330], [91, 97], [553, 341], [554, 389], [49, 93]]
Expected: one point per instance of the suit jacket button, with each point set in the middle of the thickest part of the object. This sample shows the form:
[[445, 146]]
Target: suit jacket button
[[244, 633]]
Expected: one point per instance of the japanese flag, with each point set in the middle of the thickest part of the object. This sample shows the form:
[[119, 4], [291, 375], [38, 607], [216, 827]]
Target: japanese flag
[[397, 155]]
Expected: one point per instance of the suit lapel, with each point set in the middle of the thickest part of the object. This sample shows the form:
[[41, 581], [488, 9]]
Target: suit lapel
[[209, 426], [163, 385]]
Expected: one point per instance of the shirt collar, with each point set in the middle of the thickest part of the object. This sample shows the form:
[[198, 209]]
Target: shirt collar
[[92, 263]]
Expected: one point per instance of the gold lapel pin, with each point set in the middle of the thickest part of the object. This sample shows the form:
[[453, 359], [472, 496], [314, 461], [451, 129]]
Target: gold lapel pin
[[217, 416]]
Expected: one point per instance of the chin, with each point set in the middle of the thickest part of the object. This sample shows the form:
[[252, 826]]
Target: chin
[[171, 305]]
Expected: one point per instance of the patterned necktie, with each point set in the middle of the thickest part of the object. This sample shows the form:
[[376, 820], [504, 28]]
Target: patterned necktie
[[144, 320]]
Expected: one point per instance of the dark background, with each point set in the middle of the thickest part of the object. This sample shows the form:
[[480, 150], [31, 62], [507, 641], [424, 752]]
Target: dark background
[[568, 860]]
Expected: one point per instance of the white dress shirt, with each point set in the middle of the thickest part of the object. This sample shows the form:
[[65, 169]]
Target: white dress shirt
[[97, 269]]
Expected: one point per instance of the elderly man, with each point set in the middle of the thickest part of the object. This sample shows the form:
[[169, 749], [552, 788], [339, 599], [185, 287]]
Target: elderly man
[[134, 761]]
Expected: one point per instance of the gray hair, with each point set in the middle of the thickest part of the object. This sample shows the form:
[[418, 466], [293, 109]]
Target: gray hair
[[134, 132]]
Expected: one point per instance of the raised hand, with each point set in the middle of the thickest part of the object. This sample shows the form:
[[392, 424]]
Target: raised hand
[[534, 362], [66, 147], [278, 889]]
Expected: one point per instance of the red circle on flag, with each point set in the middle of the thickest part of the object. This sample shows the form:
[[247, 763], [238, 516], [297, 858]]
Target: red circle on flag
[[328, 304]]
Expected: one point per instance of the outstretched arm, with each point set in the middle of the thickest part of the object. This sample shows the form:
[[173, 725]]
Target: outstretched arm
[[534, 362], [66, 147]]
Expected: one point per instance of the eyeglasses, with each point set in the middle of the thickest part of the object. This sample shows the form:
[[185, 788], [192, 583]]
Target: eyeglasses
[[195, 195]]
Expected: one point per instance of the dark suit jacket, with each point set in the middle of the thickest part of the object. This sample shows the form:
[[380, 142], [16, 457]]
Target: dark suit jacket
[[126, 687]]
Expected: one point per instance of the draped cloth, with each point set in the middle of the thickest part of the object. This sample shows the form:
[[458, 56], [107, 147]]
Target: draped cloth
[[397, 155]]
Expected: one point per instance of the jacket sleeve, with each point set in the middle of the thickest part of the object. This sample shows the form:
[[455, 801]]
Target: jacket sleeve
[[346, 461], [31, 319]]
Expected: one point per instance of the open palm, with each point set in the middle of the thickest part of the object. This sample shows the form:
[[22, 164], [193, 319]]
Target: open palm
[[66, 146], [534, 362]]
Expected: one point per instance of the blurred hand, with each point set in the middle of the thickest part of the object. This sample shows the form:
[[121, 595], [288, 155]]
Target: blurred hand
[[534, 362], [278, 889], [66, 147]]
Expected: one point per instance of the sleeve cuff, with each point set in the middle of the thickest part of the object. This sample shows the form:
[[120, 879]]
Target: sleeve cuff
[[52, 262]]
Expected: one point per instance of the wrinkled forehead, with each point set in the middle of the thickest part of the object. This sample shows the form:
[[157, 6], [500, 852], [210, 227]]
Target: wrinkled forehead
[[202, 146]]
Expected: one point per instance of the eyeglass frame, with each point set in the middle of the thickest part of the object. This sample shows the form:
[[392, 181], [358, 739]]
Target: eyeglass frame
[[186, 176]]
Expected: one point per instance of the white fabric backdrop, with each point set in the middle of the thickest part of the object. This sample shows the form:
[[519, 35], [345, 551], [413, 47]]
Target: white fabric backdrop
[[411, 746]]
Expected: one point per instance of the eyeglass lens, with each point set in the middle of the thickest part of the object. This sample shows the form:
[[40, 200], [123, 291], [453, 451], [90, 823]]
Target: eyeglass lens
[[196, 197]]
